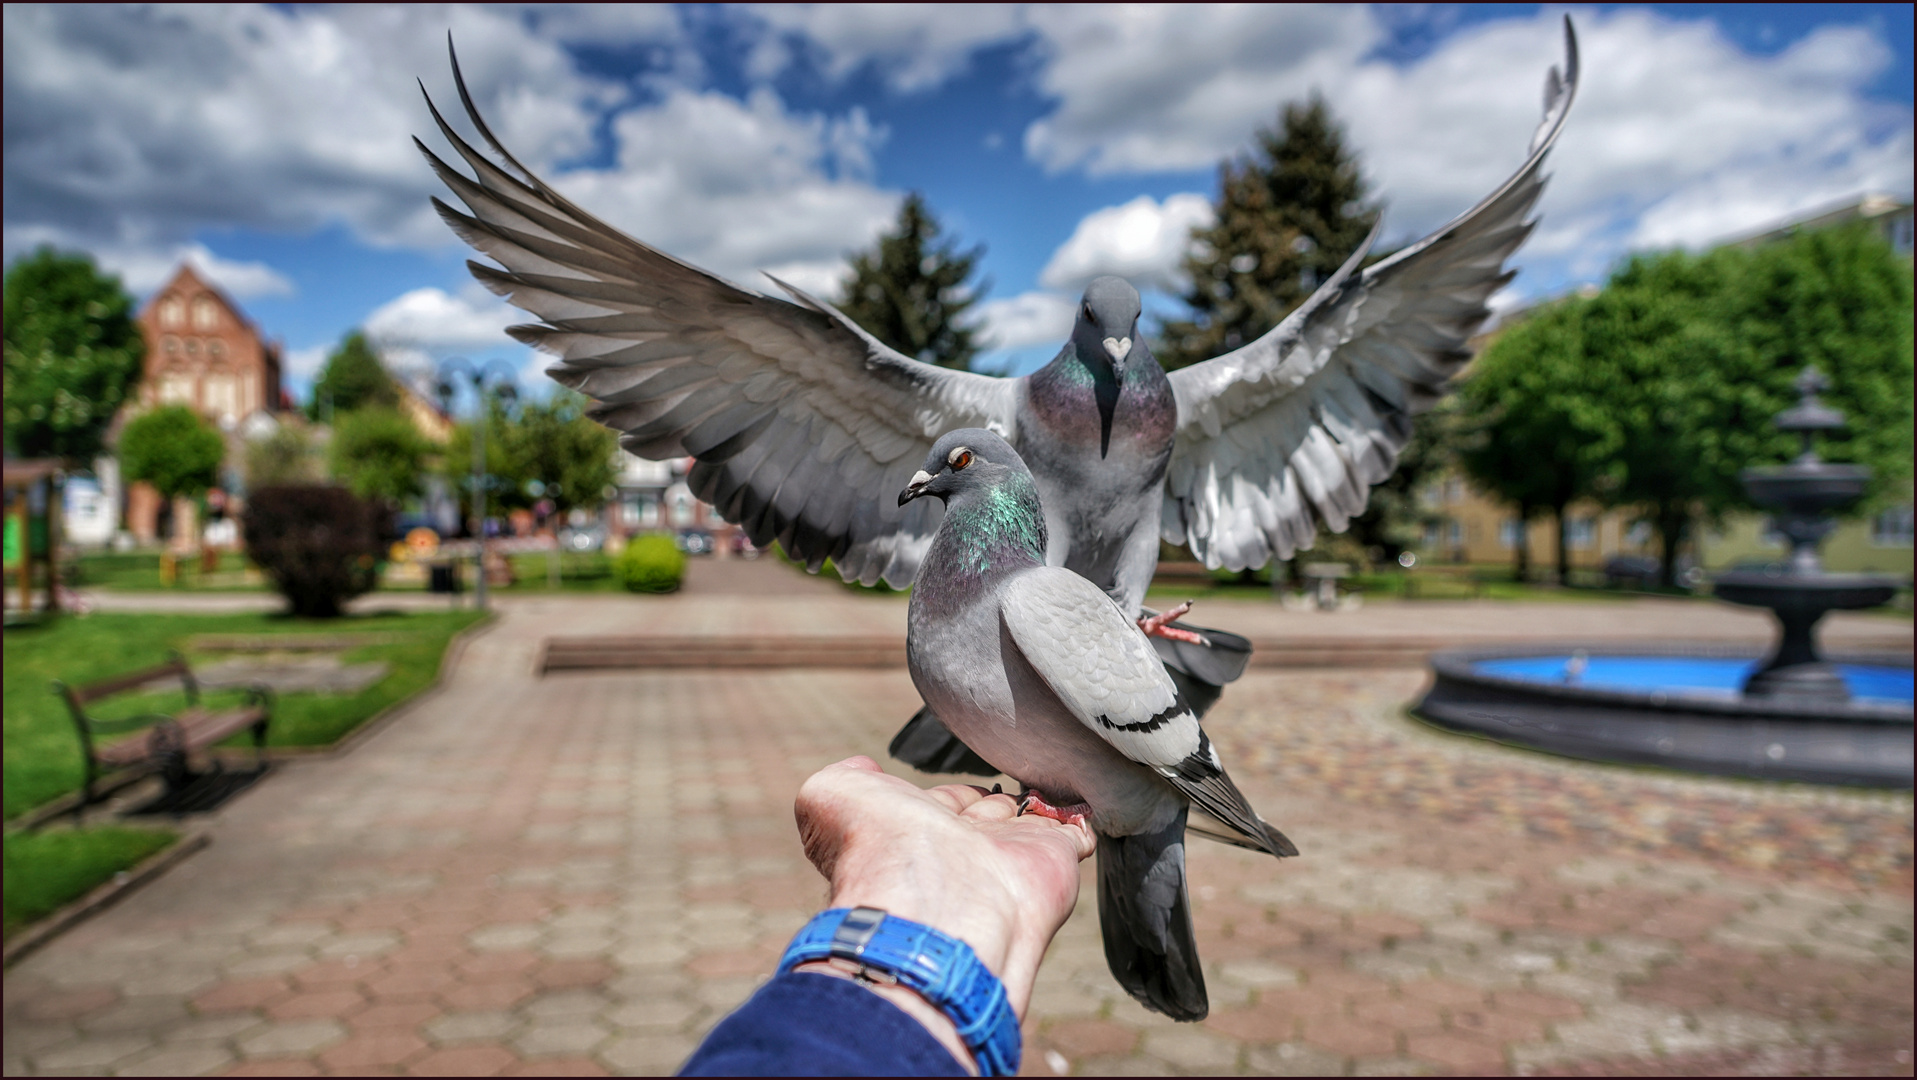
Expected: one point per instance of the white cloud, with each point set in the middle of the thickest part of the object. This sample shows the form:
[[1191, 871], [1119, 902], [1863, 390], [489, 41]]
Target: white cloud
[[433, 319], [1142, 241], [1678, 136], [1033, 318], [1173, 87], [143, 270], [914, 46], [734, 186], [132, 128]]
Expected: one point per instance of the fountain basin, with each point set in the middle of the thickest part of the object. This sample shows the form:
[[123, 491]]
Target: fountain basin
[[1679, 706]]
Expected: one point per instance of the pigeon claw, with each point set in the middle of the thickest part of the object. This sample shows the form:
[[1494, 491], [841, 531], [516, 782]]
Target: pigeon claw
[[1159, 626], [1032, 802]]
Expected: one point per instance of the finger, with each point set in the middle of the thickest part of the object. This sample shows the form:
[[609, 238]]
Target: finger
[[859, 762], [958, 797], [998, 807]]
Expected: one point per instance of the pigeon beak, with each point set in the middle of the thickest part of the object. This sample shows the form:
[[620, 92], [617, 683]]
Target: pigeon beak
[[1120, 348], [916, 488]]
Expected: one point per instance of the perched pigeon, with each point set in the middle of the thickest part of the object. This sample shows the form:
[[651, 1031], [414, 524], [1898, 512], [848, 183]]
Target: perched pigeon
[[1049, 680], [798, 418]]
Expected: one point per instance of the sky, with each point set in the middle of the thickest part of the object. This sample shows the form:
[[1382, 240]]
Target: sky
[[272, 146]]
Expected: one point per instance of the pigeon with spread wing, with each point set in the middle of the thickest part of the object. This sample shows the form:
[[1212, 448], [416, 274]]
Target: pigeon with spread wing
[[798, 420]]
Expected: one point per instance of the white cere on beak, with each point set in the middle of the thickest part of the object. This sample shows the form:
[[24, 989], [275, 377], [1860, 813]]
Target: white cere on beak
[[1118, 347], [920, 479]]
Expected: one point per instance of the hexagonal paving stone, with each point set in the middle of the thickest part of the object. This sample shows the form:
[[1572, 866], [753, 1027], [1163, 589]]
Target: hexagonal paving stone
[[572, 1035], [648, 1054], [292, 1037], [195, 1059], [653, 1014], [473, 1026], [91, 1055]]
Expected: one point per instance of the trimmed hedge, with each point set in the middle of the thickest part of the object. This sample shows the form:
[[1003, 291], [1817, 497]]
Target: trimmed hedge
[[650, 564], [320, 544]]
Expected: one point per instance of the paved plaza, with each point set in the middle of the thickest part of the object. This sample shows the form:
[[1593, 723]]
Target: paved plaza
[[583, 873]]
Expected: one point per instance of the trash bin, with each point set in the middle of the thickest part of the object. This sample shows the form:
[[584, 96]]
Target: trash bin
[[445, 578]]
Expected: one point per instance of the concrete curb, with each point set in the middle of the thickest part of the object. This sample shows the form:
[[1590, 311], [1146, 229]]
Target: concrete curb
[[104, 896]]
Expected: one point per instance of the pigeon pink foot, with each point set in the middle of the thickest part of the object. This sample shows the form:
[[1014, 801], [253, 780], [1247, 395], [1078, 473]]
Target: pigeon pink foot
[[1158, 626], [1032, 802]]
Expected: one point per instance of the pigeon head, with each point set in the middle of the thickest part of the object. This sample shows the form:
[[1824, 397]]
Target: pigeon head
[[1108, 322], [969, 461]]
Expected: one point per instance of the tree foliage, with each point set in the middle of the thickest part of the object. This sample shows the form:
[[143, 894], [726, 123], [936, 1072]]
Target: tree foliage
[[1660, 390], [557, 445], [320, 545], [73, 353], [173, 449], [910, 290], [380, 454], [1542, 431], [352, 378], [571, 457], [1287, 216], [290, 455]]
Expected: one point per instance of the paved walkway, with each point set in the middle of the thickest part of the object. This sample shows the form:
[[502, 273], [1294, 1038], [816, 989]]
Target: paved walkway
[[583, 873]]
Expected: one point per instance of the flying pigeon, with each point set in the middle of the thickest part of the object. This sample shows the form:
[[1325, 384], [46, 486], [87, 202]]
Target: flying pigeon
[[1047, 677], [798, 419]]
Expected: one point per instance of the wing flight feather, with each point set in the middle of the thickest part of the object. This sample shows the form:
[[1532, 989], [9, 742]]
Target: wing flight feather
[[803, 426], [1290, 431]]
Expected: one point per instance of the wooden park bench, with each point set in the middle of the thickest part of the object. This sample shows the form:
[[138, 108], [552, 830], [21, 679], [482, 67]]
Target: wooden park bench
[[142, 745]]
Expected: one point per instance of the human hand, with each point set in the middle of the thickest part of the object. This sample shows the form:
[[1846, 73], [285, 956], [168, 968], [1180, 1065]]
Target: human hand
[[956, 858]]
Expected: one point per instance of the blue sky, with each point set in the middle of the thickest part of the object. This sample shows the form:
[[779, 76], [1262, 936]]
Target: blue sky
[[271, 144]]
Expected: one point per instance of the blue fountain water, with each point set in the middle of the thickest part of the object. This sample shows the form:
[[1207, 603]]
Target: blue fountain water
[[1685, 675]]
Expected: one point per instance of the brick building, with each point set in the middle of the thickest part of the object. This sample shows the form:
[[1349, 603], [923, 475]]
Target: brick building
[[202, 352]]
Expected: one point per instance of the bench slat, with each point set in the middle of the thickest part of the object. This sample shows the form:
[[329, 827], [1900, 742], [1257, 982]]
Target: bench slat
[[108, 687]]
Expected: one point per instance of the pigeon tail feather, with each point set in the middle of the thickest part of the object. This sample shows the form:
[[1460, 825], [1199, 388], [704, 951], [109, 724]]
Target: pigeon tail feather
[[1145, 914]]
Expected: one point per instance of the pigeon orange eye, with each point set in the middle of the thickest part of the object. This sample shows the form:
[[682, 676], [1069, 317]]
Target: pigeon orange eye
[[960, 458]]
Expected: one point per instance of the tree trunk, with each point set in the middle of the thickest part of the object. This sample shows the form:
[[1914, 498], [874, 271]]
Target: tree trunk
[[1524, 543], [1671, 522], [1564, 544]]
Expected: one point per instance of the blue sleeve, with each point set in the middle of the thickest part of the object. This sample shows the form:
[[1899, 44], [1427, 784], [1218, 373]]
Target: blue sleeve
[[816, 1025]]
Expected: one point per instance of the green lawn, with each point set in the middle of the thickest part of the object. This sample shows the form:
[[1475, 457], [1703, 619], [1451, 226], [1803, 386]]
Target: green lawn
[[141, 570], [49, 868], [42, 752]]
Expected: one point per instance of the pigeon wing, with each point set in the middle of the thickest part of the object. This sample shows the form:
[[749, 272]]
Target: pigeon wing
[[1103, 669], [804, 427], [1294, 428]]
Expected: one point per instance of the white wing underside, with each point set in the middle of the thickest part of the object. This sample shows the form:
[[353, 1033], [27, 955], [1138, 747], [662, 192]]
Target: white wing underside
[[1294, 428], [804, 427]]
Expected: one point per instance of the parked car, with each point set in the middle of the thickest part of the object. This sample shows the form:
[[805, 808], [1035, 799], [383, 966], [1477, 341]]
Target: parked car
[[743, 546], [1630, 571], [695, 541]]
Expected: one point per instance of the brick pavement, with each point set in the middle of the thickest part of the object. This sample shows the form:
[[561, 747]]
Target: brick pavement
[[584, 873]]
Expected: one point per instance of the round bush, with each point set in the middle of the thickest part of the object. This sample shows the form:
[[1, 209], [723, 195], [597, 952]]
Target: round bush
[[319, 543], [652, 564]]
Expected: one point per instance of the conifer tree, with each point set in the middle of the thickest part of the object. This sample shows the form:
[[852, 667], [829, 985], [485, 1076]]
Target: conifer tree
[[909, 290], [1288, 216], [353, 378]]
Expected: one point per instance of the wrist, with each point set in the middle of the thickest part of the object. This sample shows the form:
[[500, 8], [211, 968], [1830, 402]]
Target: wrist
[[911, 1003]]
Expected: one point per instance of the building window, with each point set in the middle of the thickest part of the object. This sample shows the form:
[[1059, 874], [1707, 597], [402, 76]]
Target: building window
[[1892, 528], [223, 397], [170, 343], [216, 349], [172, 312], [206, 315], [176, 390], [1638, 535], [1580, 533], [1510, 530]]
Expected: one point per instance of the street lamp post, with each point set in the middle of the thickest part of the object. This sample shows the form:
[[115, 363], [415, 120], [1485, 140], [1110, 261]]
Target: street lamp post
[[500, 377]]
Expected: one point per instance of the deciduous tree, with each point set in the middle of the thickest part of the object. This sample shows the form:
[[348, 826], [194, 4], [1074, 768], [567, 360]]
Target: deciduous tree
[[353, 378], [72, 355], [174, 450]]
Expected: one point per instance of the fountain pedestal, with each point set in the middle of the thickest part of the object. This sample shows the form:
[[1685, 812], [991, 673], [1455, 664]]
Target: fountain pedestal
[[1800, 592]]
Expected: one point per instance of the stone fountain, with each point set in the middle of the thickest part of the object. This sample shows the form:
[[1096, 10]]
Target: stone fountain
[[1788, 713], [1806, 494]]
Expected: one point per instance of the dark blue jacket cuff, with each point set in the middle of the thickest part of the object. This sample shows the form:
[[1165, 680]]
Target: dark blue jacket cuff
[[816, 1025]]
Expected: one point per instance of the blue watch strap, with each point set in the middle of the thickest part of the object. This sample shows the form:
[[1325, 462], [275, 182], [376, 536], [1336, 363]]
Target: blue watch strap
[[940, 968]]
